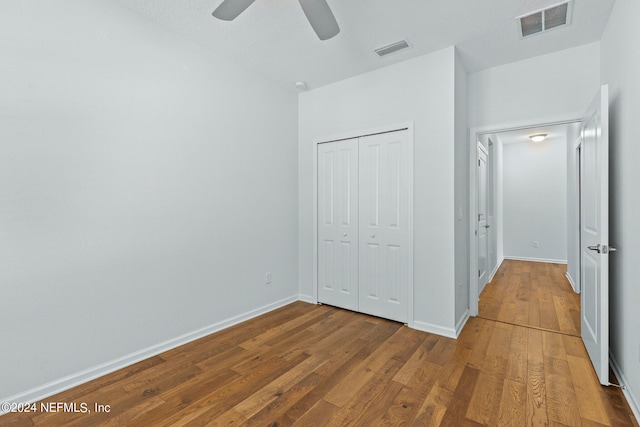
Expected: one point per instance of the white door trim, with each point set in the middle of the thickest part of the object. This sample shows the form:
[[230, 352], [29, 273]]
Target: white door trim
[[409, 126], [474, 134], [576, 281], [486, 274]]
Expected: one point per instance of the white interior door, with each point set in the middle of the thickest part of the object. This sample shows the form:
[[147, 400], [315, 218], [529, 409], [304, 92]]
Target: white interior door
[[483, 241], [594, 233], [338, 223], [384, 225]]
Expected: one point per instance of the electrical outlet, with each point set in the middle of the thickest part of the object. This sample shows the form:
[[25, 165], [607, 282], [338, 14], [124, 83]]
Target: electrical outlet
[[536, 243], [267, 278]]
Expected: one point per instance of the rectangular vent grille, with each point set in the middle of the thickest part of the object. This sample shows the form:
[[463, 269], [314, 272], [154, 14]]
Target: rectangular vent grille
[[392, 48], [543, 20], [556, 16], [531, 24]]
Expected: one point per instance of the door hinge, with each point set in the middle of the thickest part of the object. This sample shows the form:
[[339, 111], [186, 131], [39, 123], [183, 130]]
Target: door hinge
[[478, 162], [478, 273]]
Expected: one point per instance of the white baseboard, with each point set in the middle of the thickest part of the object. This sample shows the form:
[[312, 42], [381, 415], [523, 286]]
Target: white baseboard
[[495, 270], [434, 329], [54, 387], [633, 402], [547, 260], [572, 282], [307, 298], [461, 323]]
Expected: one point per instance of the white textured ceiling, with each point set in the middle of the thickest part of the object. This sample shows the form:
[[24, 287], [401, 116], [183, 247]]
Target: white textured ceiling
[[272, 37]]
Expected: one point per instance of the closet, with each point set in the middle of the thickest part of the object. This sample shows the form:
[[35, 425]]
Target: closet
[[364, 194]]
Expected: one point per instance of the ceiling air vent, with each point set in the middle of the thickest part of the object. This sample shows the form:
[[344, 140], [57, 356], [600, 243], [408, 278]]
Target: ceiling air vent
[[392, 48], [543, 20]]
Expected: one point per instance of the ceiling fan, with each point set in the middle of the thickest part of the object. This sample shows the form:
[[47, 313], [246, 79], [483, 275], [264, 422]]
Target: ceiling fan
[[318, 14]]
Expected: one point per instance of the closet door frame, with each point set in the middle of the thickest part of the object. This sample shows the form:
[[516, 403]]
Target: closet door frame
[[408, 127]]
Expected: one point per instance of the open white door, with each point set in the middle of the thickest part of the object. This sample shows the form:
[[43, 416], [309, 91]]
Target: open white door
[[594, 233], [483, 241]]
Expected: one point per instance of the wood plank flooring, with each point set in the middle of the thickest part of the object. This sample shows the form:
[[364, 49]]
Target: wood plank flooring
[[308, 365], [533, 294]]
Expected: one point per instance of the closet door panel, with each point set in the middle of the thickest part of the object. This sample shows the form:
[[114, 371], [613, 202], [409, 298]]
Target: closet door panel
[[384, 216], [337, 223]]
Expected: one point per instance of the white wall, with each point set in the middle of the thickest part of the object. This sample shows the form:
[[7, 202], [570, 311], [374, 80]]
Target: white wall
[[543, 87], [137, 173], [461, 182], [535, 200], [421, 90], [620, 70]]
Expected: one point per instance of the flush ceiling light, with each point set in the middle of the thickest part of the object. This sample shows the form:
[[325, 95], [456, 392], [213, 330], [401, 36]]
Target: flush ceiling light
[[539, 137]]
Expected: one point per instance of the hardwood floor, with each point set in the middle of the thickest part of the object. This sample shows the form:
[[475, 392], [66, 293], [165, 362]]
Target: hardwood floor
[[533, 294], [308, 365]]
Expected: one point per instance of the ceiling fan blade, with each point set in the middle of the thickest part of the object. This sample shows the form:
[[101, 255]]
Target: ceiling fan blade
[[230, 9], [320, 17]]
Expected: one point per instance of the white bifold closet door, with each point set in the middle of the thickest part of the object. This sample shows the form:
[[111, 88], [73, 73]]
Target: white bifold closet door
[[363, 219], [338, 223], [383, 223]]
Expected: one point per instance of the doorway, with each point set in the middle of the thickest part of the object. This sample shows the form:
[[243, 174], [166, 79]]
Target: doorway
[[520, 226], [530, 194]]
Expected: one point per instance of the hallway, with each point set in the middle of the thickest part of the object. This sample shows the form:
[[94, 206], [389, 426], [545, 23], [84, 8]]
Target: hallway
[[532, 294]]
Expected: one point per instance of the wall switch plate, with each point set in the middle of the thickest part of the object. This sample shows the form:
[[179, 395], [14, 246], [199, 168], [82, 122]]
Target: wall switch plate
[[267, 278]]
